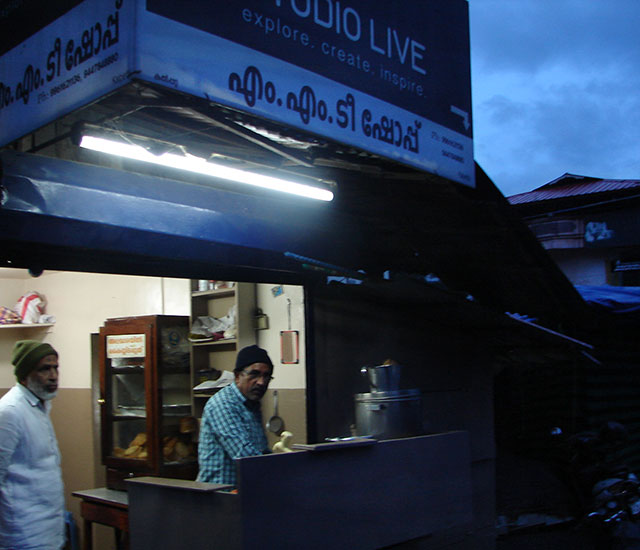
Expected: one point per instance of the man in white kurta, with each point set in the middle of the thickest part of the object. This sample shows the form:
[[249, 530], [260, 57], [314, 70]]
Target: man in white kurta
[[31, 489]]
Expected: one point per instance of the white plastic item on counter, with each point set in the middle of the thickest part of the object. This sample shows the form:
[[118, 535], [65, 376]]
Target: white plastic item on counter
[[30, 307]]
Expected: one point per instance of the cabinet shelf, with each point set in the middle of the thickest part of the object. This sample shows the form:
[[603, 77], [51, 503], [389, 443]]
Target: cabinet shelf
[[193, 461], [127, 417], [138, 369], [181, 409], [132, 369]]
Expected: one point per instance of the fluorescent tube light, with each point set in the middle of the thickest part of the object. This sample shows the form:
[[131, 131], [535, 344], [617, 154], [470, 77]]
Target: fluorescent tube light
[[202, 166]]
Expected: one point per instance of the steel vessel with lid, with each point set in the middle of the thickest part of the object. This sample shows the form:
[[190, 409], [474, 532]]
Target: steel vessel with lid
[[387, 411]]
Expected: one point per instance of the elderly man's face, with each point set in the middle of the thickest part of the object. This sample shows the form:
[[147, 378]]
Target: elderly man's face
[[43, 380], [254, 380]]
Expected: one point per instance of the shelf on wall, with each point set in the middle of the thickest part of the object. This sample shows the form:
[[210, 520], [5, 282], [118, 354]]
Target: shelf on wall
[[213, 342], [219, 354], [219, 293], [34, 325], [206, 394]]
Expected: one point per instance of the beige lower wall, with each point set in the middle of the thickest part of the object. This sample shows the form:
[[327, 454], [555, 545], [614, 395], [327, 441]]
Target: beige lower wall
[[72, 415], [81, 302], [72, 419], [292, 406]]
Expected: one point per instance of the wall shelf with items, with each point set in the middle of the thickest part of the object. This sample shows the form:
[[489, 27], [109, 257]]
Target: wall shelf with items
[[213, 354], [26, 326]]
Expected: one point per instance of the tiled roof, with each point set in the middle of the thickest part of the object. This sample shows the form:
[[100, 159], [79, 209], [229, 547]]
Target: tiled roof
[[571, 185]]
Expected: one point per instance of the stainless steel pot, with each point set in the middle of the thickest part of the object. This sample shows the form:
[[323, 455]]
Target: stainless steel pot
[[389, 415], [383, 378]]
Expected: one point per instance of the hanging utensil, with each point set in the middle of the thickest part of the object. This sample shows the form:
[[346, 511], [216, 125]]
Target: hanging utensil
[[289, 347], [275, 423]]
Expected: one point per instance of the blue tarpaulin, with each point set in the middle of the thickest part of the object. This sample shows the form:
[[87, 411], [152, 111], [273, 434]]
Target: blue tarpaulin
[[616, 299]]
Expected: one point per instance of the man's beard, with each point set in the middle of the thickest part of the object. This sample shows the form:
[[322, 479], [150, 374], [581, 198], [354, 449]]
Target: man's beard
[[40, 391]]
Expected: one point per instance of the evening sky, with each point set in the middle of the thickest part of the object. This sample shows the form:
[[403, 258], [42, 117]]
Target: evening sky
[[556, 89]]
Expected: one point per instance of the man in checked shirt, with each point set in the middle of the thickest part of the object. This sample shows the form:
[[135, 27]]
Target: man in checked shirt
[[232, 421]]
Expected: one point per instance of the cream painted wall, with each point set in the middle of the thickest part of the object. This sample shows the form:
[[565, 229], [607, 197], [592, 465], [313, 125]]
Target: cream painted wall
[[81, 302], [275, 307], [11, 284]]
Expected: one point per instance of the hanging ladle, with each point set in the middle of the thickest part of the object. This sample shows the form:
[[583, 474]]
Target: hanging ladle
[[275, 423]]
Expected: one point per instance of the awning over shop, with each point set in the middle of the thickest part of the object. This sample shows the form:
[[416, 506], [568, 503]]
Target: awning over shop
[[90, 208], [62, 214], [615, 299]]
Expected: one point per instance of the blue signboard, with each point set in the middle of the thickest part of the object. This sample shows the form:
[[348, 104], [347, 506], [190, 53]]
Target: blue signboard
[[412, 54], [83, 53], [389, 77]]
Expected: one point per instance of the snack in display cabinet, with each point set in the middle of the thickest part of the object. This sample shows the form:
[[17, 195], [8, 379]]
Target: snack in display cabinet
[[136, 449], [174, 449], [188, 425], [181, 447]]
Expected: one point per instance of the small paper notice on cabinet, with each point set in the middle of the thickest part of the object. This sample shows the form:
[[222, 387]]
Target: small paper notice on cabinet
[[126, 345], [225, 379]]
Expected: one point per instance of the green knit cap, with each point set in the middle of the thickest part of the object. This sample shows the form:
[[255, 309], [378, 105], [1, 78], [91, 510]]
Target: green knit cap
[[26, 355]]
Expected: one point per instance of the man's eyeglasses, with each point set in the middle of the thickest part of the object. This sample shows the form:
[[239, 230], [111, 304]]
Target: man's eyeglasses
[[255, 374]]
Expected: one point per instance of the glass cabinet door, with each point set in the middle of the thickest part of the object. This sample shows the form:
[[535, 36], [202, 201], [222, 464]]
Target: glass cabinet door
[[145, 384], [177, 426], [126, 382]]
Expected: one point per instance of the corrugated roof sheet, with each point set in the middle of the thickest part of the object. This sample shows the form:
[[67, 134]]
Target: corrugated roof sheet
[[571, 185]]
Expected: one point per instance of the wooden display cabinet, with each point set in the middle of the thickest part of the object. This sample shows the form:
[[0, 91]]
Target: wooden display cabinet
[[145, 397]]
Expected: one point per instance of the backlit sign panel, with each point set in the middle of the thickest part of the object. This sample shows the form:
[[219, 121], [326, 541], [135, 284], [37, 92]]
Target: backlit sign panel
[[391, 78]]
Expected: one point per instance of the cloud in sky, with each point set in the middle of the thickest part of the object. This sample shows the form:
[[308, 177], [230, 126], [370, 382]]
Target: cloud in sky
[[556, 88]]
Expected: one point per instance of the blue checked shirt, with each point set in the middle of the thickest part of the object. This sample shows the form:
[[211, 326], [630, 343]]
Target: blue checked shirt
[[230, 429]]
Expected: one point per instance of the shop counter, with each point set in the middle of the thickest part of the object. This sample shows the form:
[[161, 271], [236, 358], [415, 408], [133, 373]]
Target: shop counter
[[339, 496]]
